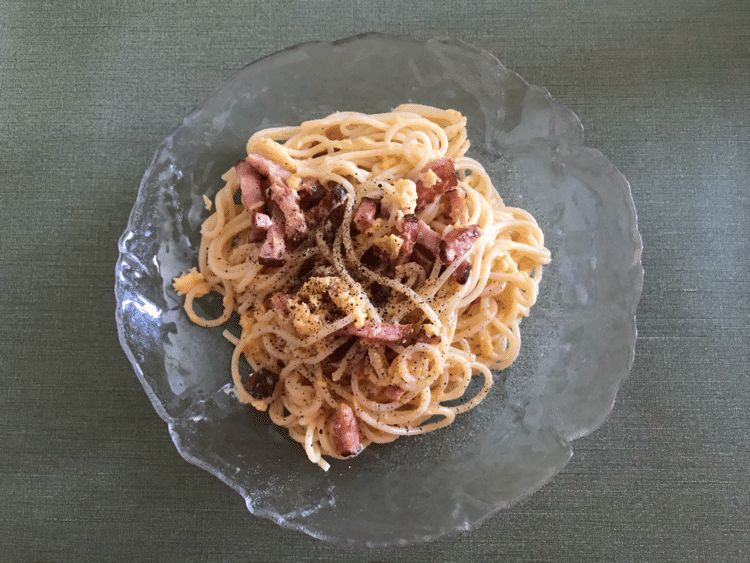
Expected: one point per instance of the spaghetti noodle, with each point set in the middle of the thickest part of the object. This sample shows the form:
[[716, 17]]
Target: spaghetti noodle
[[373, 270]]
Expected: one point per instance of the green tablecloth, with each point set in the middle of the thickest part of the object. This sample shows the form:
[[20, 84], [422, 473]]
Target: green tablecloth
[[89, 88]]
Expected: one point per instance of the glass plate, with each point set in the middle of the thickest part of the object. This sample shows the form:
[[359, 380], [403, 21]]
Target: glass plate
[[578, 344]]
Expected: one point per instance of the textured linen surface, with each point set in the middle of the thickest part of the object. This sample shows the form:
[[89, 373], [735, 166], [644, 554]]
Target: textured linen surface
[[89, 88]]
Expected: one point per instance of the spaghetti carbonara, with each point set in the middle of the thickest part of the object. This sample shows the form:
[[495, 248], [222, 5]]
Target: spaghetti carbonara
[[372, 271]]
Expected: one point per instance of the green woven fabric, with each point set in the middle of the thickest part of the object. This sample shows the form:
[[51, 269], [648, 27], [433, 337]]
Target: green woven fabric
[[89, 88]]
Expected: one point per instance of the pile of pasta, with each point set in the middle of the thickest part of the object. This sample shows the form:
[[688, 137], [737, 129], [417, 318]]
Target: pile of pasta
[[373, 272]]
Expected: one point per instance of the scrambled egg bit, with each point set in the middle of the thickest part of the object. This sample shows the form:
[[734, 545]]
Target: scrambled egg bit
[[187, 281], [320, 300], [428, 178], [402, 195], [391, 244]]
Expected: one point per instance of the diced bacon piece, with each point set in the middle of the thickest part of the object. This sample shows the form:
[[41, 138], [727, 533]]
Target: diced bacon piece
[[445, 169], [346, 432], [421, 256], [328, 203], [421, 243], [251, 171], [458, 242], [268, 168], [393, 392], [458, 209], [365, 214], [262, 383], [428, 238], [261, 224], [462, 273], [280, 302], [381, 332], [252, 195], [288, 201], [272, 251], [310, 193], [408, 232]]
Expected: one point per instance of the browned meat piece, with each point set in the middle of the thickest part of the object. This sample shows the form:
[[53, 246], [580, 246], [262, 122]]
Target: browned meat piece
[[421, 243], [462, 273], [332, 199], [310, 193], [252, 195], [261, 224], [445, 169], [382, 332], [272, 251], [280, 302], [393, 392], [365, 214], [376, 259], [346, 432], [423, 257], [408, 232], [428, 238], [262, 383], [458, 242], [251, 171], [288, 201], [268, 168]]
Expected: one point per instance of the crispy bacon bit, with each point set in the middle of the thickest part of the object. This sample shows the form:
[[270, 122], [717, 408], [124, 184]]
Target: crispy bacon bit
[[261, 224], [280, 302], [408, 233], [365, 214], [458, 210], [328, 203], [262, 383], [310, 193], [421, 243], [428, 238], [288, 201], [458, 242], [252, 195], [251, 170], [462, 273], [336, 216], [382, 332], [393, 392], [272, 251], [268, 168], [346, 432], [421, 256], [445, 169]]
